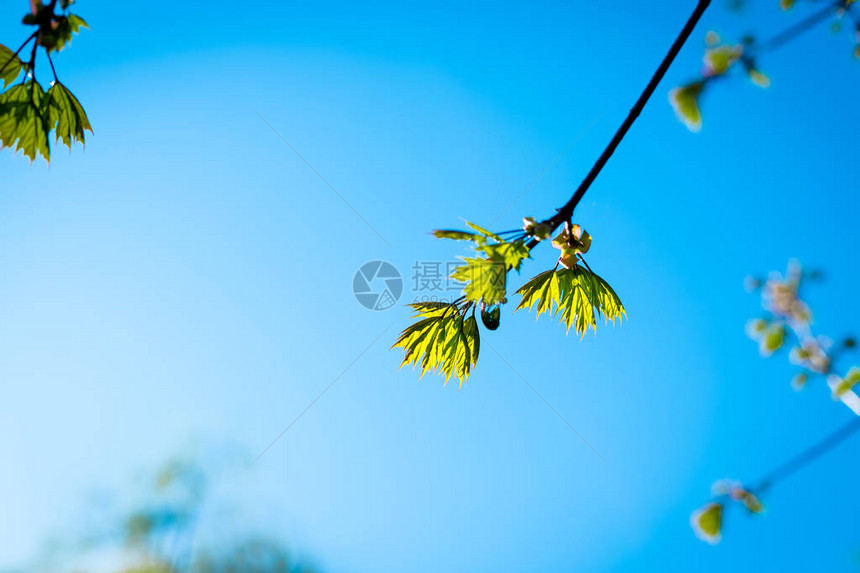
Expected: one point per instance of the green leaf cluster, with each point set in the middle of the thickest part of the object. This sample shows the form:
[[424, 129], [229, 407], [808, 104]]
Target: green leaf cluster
[[577, 295], [707, 522], [486, 280], [28, 115], [55, 30], [486, 276], [442, 340], [719, 60]]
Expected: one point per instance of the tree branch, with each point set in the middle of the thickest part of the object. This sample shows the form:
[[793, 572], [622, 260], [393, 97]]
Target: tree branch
[[565, 213], [799, 28], [809, 455], [18, 51]]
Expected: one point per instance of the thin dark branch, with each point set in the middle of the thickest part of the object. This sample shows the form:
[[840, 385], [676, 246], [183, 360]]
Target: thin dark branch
[[566, 211], [581, 258], [31, 65], [797, 29], [18, 51], [809, 455], [53, 69]]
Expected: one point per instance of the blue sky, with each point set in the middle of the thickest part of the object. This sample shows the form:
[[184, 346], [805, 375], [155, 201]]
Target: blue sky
[[187, 277]]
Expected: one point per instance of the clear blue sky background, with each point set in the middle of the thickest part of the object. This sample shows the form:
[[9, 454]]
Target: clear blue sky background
[[187, 276]]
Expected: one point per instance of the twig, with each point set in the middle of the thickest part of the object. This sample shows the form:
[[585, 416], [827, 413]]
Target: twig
[[798, 29], [809, 455], [566, 211], [53, 69], [18, 51]]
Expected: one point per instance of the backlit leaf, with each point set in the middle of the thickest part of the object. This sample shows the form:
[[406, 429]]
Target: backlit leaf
[[10, 66], [772, 340], [485, 276], [719, 59], [442, 340], [23, 120], [485, 232], [707, 522], [578, 296], [758, 78], [685, 101], [66, 115], [485, 280], [455, 235]]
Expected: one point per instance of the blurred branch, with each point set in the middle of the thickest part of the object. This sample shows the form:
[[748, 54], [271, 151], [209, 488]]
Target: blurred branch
[[800, 27], [808, 456]]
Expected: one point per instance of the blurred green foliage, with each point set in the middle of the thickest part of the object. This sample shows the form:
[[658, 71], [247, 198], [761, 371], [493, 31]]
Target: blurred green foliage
[[787, 319], [721, 60], [161, 533]]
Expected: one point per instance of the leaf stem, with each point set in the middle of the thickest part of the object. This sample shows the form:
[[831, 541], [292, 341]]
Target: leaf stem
[[31, 65], [18, 51], [53, 69], [566, 211], [581, 258]]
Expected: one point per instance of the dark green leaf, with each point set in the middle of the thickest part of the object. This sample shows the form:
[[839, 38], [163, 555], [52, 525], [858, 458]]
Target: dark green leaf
[[485, 280], [10, 66], [66, 115], [23, 121]]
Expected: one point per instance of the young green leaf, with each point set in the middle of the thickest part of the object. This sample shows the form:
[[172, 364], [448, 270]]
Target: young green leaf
[[485, 277], [442, 340], [485, 280], [512, 254], [23, 120], [456, 235], [485, 232], [685, 101], [10, 66], [66, 115], [841, 386], [577, 295], [707, 522], [758, 78], [719, 59], [772, 340]]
